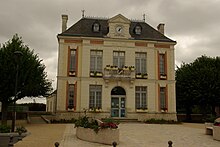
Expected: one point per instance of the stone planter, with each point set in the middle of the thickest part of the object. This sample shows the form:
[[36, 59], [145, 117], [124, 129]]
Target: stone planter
[[216, 132], [207, 130], [104, 136], [6, 138]]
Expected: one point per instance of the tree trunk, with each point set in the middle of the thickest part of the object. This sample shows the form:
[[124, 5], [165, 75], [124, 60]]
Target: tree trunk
[[4, 113]]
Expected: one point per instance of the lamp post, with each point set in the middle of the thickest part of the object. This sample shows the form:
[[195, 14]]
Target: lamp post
[[18, 55]]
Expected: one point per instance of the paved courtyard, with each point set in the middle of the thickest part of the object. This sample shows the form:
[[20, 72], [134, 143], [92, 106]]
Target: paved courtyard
[[131, 135]]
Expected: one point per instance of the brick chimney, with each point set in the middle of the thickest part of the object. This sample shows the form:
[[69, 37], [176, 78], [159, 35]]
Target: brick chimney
[[160, 28], [64, 22]]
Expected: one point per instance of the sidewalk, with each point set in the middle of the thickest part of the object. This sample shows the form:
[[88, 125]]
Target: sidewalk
[[131, 135], [150, 135], [42, 135]]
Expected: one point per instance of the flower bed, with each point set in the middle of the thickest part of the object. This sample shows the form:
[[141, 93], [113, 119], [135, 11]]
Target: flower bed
[[97, 131], [104, 136]]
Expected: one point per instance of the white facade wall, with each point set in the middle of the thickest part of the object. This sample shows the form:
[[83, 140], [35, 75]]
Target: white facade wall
[[83, 78], [116, 41]]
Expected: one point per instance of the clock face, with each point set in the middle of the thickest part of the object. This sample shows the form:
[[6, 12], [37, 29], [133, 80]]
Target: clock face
[[119, 29]]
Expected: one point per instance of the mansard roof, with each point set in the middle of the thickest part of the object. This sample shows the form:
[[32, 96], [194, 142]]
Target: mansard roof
[[83, 28]]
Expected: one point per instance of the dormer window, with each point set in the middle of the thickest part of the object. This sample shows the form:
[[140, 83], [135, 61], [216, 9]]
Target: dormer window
[[137, 30], [96, 27]]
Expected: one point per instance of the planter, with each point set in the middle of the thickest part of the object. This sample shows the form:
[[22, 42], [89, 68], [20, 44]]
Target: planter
[[95, 110], [163, 111], [163, 77], [141, 110], [15, 137], [104, 136], [216, 132], [208, 130]]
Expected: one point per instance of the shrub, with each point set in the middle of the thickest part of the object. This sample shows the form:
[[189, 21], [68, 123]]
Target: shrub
[[5, 129], [54, 121], [86, 122], [160, 121], [210, 119], [21, 129]]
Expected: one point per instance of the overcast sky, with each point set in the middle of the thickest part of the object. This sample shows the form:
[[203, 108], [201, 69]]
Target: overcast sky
[[194, 24]]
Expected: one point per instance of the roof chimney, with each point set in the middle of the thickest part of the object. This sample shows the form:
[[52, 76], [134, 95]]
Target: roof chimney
[[160, 28], [64, 22]]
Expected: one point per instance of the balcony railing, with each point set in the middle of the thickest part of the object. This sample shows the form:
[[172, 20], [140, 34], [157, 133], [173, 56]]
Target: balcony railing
[[113, 72]]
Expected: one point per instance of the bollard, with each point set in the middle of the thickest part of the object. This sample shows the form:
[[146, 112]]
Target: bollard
[[114, 144], [56, 144], [170, 143], [10, 144]]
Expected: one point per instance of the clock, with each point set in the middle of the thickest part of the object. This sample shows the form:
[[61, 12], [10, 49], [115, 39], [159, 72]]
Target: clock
[[119, 29]]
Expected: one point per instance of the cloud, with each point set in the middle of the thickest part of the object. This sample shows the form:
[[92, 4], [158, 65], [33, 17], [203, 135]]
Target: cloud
[[193, 24]]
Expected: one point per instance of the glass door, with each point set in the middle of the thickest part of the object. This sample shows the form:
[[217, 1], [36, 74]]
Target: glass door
[[117, 106]]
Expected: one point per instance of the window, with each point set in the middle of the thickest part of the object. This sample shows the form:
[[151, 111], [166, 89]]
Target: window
[[141, 63], [96, 61], [137, 30], [72, 64], [95, 96], [96, 27], [163, 98], [141, 97], [162, 64], [71, 96], [118, 58]]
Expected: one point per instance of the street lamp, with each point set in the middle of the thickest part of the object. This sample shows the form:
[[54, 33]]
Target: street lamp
[[18, 55]]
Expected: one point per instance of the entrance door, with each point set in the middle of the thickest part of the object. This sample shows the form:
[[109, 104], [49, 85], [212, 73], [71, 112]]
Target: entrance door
[[118, 106]]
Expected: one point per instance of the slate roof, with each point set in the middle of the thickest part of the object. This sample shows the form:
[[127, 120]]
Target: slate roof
[[83, 28]]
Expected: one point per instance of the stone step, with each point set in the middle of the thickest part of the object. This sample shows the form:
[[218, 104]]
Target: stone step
[[36, 120]]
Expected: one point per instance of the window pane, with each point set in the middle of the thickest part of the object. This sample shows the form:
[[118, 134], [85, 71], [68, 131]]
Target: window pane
[[118, 58], [71, 95], [96, 61], [162, 97], [95, 100], [96, 27], [140, 62], [72, 60], [162, 64], [141, 97]]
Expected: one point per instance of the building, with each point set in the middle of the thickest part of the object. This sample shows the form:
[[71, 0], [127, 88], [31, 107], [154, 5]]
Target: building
[[116, 68], [51, 102]]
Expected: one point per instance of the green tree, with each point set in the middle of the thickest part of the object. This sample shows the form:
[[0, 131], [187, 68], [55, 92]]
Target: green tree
[[32, 79], [198, 84]]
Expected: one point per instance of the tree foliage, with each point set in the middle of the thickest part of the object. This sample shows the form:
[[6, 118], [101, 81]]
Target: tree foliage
[[32, 78], [198, 84]]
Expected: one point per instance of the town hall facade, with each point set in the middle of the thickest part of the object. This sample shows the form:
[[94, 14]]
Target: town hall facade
[[114, 67]]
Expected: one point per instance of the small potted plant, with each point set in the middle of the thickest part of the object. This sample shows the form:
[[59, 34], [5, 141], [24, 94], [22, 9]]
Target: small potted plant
[[164, 109], [138, 75], [131, 68], [145, 75], [107, 67], [163, 76]]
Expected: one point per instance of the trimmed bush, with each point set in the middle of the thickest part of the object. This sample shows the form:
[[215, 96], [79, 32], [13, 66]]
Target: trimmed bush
[[5, 129], [161, 121]]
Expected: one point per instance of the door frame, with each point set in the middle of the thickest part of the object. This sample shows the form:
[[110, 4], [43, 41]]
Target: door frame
[[120, 108]]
